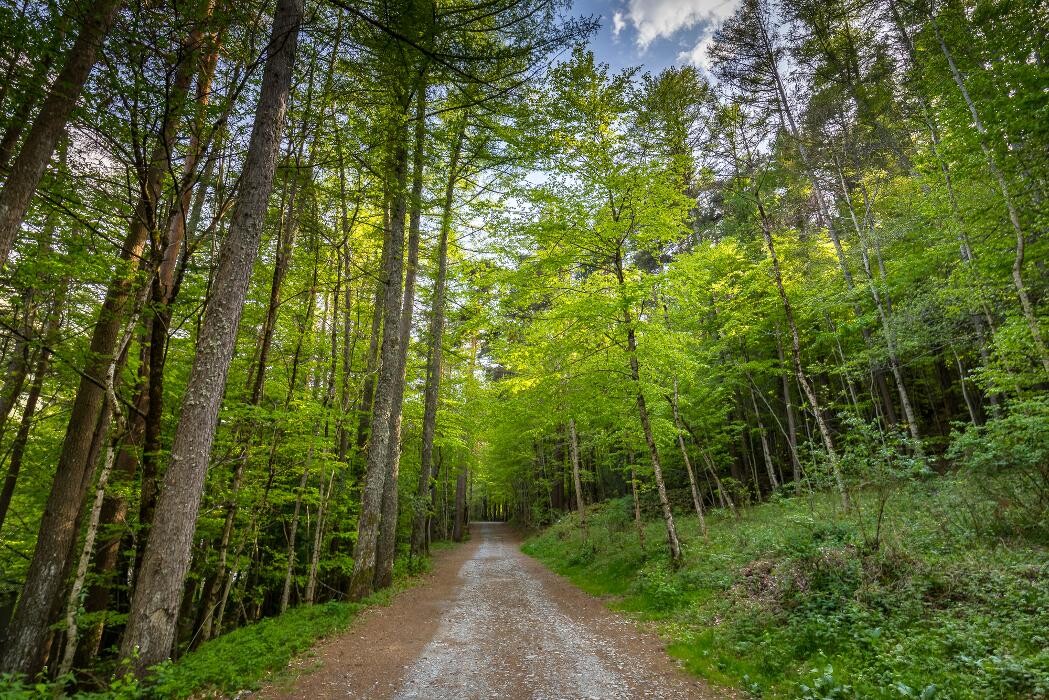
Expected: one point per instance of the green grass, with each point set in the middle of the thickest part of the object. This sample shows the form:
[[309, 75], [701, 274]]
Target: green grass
[[246, 656], [794, 600], [239, 660]]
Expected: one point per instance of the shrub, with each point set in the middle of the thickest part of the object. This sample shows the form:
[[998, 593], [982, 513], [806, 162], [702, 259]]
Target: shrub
[[659, 586], [1009, 460]]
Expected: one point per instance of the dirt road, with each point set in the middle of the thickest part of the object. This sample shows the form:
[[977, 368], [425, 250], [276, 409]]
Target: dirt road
[[492, 623]]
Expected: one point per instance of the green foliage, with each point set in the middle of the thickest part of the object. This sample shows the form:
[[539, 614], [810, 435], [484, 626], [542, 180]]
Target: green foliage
[[1008, 458], [241, 658], [787, 602]]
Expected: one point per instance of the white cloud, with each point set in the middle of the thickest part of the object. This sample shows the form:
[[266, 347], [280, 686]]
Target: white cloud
[[618, 23], [697, 55], [661, 19]]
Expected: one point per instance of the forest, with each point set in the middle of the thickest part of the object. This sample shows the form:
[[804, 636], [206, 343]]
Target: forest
[[292, 291]]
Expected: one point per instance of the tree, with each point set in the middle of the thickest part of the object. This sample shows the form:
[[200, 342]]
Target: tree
[[152, 622]]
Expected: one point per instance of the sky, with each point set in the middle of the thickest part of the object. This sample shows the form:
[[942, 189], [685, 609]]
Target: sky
[[654, 34]]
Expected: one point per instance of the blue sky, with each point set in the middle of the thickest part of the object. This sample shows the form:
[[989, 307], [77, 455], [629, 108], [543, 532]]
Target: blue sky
[[654, 33]]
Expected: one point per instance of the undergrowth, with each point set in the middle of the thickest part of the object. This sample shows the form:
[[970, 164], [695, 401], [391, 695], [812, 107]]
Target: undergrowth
[[794, 600], [241, 659]]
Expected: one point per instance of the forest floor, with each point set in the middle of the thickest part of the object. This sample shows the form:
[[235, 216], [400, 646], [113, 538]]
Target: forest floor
[[491, 623]]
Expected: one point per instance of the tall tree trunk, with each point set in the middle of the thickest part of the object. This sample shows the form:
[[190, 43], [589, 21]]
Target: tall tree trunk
[[113, 515], [697, 500], [318, 538], [74, 602], [965, 248], [577, 482], [459, 526], [792, 421], [167, 250], [638, 523], [803, 380], [17, 369], [152, 621], [289, 571], [52, 558], [882, 307], [673, 542], [787, 120], [367, 401], [362, 578], [387, 540], [766, 453], [21, 439], [50, 124], [432, 391]]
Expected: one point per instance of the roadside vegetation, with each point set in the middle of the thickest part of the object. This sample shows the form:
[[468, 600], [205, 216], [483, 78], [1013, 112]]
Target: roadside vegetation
[[935, 588], [240, 660]]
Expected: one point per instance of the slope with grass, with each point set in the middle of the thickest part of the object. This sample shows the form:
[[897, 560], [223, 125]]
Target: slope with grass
[[796, 599], [239, 660]]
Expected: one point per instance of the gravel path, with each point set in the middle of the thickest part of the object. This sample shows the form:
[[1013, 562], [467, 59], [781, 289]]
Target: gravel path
[[493, 623]]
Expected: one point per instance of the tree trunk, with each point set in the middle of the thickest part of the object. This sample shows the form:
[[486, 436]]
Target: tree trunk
[[50, 124], [637, 509], [965, 249], [576, 480], [74, 602], [766, 453], [673, 542], [432, 391], [21, 439], [318, 539], [792, 421], [803, 381], [697, 500], [152, 621], [362, 579], [883, 313], [17, 370], [289, 572], [459, 526], [387, 540]]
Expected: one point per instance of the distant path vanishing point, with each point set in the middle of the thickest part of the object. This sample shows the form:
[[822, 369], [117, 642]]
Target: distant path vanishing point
[[492, 623]]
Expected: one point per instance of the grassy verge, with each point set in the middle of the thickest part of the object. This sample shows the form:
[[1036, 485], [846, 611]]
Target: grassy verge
[[239, 660], [245, 657], [796, 600]]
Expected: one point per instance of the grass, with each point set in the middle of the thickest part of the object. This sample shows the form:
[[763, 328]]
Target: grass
[[245, 657], [795, 600], [240, 660]]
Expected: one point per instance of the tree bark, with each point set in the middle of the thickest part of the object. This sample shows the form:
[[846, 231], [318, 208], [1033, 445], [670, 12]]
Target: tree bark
[[74, 602], [387, 540], [432, 391], [152, 621], [362, 578]]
